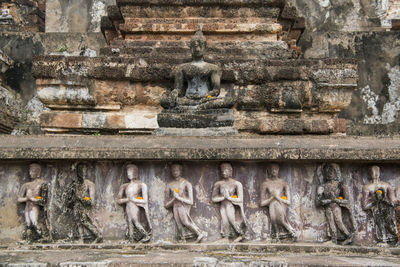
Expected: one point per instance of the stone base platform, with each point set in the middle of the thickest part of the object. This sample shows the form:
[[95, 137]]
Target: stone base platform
[[277, 148], [211, 254]]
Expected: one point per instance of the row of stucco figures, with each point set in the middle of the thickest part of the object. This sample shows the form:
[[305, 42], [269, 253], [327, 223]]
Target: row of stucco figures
[[332, 195]]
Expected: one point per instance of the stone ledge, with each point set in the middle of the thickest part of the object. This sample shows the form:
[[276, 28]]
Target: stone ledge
[[150, 69], [276, 148], [203, 2], [223, 258], [316, 248]]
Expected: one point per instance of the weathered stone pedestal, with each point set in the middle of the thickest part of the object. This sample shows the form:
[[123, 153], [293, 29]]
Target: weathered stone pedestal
[[218, 122]]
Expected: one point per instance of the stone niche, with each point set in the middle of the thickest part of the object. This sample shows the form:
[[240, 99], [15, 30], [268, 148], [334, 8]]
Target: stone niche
[[254, 43], [303, 179]]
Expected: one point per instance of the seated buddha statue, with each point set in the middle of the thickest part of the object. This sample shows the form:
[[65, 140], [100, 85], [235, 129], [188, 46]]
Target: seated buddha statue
[[197, 83]]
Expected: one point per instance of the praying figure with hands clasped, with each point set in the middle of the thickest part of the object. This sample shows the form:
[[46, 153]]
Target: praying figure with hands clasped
[[135, 198], [179, 197], [228, 193], [275, 194]]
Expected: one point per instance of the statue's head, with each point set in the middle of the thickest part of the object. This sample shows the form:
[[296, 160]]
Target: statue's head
[[273, 170], [329, 171], [198, 45], [374, 172], [226, 170], [81, 171], [34, 171], [176, 170], [132, 172]]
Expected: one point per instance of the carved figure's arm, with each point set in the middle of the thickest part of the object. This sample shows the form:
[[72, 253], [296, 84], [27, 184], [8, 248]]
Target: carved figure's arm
[[215, 194], [286, 190], [169, 201], [145, 195], [22, 195], [265, 195], [391, 195], [239, 191], [120, 199], [189, 200], [178, 83], [366, 205], [346, 196], [320, 200], [397, 192], [215, 83]]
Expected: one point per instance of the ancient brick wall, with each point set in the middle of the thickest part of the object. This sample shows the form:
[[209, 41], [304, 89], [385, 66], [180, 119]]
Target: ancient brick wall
[[22, 15], [367, 31], [75, 15]]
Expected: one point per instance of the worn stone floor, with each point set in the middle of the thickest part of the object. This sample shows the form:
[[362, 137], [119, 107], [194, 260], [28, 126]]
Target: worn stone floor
[[196, 255]]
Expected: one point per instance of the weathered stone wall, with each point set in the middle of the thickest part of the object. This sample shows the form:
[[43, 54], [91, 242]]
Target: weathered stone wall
[[360, 30], [75, 15], [21, 47], [303, 179], [22, 15]]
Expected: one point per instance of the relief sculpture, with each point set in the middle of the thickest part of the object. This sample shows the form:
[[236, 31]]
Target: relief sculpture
[[275, 195], [72, 208], [379, 199], [135, 198], [228, 193], [333, 195], [179, 197], [79, 197], [34, 194]]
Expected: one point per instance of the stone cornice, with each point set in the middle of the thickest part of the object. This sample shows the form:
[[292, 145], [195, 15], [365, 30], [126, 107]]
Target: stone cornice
[[274, 148]]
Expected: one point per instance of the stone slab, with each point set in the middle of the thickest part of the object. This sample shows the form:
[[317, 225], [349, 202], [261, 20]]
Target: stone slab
[[212, 131], [196, 118], [190, 257], [203, 2], [243, 71], [277, 148]]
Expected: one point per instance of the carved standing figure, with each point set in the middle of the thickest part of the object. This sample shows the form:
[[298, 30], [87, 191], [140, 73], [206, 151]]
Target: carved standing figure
[[179, 197], [135, 198], [80, 196], [229, 194], [379, 198], [197, 83], [275, 194], [34, 195], [333, 195]]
